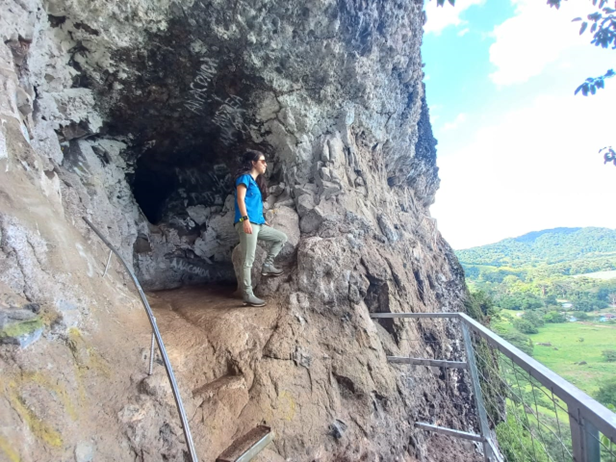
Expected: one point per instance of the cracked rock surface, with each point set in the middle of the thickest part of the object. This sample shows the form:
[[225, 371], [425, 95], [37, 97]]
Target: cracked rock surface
[[133, 114]]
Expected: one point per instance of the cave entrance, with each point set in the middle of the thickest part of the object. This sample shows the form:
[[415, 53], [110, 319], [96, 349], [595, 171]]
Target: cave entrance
[[187, 198], [188, 114], [152, 187]]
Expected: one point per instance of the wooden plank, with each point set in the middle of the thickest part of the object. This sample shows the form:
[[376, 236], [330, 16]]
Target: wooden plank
[[246, 447], [412, 315], [449, 431], [426, 362]]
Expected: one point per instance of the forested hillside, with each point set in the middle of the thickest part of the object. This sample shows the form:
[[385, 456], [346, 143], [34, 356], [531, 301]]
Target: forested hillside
[[549, 246], [535, 270], [542, 289]]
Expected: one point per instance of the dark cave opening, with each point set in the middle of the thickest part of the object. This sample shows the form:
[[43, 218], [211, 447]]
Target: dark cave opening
[[165, 183], [152, 187], [185, 196]]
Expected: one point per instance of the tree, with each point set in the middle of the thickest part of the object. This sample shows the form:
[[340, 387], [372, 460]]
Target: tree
[[550, 300], [525, 326], [479, 305], [520, 301], [607, 392], [519, 340], [609, 155], [515, 441], [586, 301], [580, 315], [609, 355], [533, 318], [603, 29], [554, 317]]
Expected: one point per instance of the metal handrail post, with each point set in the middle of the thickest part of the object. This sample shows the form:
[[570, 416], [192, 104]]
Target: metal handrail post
[[481, 410], [584, 435], [591, 437], [161, 346]]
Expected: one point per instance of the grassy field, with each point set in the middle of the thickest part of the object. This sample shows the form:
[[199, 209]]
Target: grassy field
[[566, 337], [598, 275], [567, 349], [570, 343]]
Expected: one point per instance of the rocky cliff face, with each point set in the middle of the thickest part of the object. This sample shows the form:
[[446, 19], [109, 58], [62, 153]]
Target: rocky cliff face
[[133, 114]]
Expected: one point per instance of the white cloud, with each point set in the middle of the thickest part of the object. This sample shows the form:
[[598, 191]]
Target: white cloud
[[460, 119], [535, 37], [441, 17], [534, 168], [463, 32]]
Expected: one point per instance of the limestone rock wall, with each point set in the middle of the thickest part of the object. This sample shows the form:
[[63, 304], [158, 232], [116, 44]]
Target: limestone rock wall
[[132, 114]]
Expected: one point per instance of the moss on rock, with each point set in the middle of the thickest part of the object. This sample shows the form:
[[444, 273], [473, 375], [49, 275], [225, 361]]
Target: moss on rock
[[19, 329]]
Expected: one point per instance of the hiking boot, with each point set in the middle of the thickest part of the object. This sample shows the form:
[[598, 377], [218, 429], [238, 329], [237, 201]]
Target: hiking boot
[[251, 300], [271, 270]]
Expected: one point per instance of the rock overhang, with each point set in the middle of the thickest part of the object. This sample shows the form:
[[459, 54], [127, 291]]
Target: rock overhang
[[331, 92]]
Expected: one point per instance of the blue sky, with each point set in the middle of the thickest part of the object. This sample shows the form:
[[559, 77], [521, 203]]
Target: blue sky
[[517, 151]]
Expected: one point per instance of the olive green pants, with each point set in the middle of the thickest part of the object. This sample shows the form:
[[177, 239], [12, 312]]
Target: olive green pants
[[248, 245]]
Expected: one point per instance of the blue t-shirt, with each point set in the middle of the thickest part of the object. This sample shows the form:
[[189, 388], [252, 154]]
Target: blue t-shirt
[[254, 200]]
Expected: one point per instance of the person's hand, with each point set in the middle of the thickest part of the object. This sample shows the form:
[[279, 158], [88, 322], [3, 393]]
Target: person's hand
[[267, 224], [247, 227]]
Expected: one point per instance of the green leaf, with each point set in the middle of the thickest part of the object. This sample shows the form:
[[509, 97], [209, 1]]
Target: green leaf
[[583, 28], [555, 3], [576, 19]]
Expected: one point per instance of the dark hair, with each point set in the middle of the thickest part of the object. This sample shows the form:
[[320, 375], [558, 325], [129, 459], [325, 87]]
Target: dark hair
[[246, 166]]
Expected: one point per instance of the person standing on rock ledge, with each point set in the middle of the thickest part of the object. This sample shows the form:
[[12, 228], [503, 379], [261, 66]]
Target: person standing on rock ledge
[[250, 223]]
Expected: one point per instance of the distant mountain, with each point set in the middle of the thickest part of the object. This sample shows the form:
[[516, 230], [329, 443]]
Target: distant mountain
[[533, 235], [548, 246]]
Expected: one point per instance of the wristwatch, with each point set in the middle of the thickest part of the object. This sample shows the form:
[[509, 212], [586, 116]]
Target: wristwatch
[[244, 218]]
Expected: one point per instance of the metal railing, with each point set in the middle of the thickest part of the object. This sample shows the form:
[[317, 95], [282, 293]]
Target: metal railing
[[526, 412], [159, 341]]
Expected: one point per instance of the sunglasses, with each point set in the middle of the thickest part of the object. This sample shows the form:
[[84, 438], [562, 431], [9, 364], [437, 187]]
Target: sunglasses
[[263, 161]]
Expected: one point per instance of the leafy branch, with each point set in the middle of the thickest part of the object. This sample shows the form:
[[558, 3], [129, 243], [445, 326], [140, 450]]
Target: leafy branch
[[603, 27], [609, 155], [591, 84]]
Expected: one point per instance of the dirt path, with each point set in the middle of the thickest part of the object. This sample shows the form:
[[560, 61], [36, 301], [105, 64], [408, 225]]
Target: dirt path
[[206, 330], [212, 339]]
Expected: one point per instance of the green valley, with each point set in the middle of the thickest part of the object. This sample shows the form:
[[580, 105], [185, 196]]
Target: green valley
[[552, 293]]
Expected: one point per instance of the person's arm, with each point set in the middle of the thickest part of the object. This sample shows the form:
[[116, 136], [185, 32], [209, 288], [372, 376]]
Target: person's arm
[[241, 204]]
